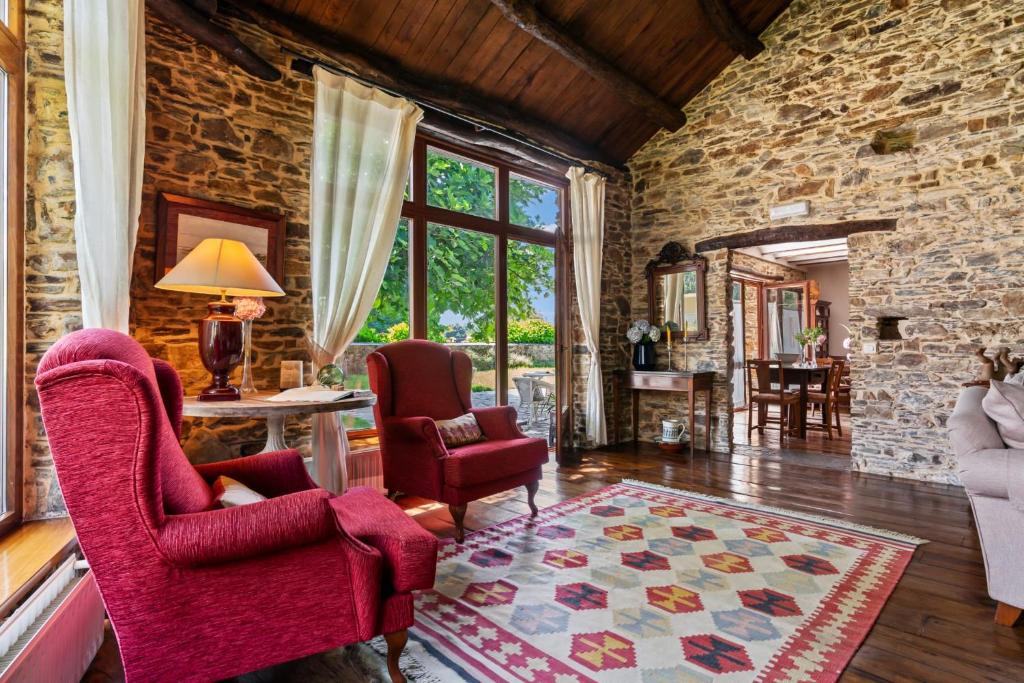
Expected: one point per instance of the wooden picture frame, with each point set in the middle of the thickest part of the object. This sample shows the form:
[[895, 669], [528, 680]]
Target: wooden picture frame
[[204, 218]]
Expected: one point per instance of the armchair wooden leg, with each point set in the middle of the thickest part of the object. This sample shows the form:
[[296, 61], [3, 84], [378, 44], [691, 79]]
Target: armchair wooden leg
[[1007, 615], [531, 491], [458, 515], [396, 643]]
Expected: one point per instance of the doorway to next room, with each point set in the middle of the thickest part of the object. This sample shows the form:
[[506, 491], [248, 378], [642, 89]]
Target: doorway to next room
[[780, 292]]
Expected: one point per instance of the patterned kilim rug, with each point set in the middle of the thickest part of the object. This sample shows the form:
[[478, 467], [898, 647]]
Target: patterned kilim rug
[[645, 583]]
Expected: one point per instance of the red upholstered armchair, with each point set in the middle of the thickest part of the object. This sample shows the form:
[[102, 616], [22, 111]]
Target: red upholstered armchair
[[417, 382], [195, 593]]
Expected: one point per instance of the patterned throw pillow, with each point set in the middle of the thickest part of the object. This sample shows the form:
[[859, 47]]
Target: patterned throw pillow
[[459, 431]]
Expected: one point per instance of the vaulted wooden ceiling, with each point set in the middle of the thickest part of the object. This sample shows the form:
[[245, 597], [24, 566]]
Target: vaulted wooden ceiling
[[671, 48]]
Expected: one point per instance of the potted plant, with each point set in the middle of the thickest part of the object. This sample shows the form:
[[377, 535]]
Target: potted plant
[[810, 338], [643, 335]]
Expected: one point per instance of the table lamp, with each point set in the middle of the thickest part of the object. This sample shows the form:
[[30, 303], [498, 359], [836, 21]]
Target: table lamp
[[228, 268]]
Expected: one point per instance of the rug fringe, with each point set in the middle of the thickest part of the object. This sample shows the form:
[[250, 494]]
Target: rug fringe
[[758, 507]]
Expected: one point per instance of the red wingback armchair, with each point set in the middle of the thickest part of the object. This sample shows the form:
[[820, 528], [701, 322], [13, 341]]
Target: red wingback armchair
[[417, 382], [195, 593]]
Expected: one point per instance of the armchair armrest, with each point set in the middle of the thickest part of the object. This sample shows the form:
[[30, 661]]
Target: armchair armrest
[[215, 536], [273, 474], [994, 472], [409, 551], [498, 423], [416, 434]]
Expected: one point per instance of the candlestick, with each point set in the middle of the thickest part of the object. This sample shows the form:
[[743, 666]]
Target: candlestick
[[686, 337]]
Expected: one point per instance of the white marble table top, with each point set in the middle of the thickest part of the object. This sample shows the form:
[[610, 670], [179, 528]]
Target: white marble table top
[[256, 405]]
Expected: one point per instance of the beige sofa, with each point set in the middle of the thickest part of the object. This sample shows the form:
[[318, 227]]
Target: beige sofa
[[994, 478]]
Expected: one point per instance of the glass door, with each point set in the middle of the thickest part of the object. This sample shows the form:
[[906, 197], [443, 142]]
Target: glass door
[[531, 338], [739, 378], [788, 309], [461, 301]]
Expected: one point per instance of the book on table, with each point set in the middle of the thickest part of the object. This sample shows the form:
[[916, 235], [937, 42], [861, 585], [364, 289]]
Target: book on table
[[316, 394]]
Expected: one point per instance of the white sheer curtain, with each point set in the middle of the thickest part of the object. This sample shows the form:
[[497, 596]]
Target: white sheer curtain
[[105, 77], [586, 201], [362, 148]]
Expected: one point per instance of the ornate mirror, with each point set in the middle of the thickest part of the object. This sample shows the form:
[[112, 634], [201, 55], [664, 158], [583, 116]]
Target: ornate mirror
[[675, 291]]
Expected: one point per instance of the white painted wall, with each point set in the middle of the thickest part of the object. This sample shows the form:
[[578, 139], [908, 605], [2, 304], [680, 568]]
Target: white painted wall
[[834, 285]]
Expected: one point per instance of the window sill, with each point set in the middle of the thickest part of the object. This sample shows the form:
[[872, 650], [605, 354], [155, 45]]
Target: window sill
[[28, 554]]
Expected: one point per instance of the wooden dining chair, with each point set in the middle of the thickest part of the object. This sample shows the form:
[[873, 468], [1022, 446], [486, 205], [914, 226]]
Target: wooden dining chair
[[760, 391], [828, 399]]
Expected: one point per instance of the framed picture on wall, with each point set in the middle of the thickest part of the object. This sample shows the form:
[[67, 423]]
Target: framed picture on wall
[[184, 222]]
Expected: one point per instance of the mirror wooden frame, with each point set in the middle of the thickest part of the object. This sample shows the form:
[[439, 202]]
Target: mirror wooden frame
[[673, 258]]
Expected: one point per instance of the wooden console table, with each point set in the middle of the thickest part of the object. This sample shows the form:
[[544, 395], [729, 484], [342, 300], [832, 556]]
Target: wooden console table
[[655, 380]]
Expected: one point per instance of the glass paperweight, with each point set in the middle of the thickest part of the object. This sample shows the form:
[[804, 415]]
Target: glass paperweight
[[330, 375]]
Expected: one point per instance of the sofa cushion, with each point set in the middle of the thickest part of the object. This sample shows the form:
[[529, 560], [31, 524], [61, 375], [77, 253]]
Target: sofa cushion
[[459, 431], [492, 460], [1004, 404]]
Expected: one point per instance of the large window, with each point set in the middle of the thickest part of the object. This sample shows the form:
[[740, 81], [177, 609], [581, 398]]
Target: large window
[[12, 61], [474, 268]]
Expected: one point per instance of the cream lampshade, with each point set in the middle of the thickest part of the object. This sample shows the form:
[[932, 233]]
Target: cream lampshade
[[224, 268], [221, 267]]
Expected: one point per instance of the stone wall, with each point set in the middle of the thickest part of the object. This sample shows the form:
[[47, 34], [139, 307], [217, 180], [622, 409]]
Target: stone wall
[[52, 303], [798, 122], [212, 132], [217, 133]]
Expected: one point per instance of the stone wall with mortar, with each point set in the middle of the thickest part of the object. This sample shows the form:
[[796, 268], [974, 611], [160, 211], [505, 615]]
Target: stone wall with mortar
[[217, 133], [212, 132], [52, 303], [797, 122]]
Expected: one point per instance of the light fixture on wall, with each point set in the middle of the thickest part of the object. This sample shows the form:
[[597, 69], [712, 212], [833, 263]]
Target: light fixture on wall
[[228, 268], [794, 210]]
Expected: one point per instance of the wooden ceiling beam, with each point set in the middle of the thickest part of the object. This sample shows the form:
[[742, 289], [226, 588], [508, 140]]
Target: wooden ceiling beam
[[459, 132], [728, 28], [444, 95], [525, 15], [188, 19], [796, 233]]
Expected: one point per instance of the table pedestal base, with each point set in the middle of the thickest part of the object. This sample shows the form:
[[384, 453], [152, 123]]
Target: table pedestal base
[[275, 434]]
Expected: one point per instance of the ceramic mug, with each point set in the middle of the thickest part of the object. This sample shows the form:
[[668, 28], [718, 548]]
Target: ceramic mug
[[671, 430]]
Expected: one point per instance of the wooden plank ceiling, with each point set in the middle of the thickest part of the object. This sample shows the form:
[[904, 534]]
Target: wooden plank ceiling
[[670, 47]]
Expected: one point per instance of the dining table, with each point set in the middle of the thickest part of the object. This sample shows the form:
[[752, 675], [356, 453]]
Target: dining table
[[804, 377]]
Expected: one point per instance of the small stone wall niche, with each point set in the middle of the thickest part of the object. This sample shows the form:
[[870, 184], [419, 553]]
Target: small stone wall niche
[[889, 328]]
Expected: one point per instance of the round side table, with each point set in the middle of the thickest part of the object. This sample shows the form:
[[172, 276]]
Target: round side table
[[274, 412]]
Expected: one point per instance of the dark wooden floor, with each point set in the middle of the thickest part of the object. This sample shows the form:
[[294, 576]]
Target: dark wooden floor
[[938, 624], [816, 441]]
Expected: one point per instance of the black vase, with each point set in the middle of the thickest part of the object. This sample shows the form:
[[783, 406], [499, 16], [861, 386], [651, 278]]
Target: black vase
[[643, 356]]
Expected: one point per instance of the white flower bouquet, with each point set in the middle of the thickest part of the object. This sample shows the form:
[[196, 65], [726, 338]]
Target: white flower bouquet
[[642, 331]]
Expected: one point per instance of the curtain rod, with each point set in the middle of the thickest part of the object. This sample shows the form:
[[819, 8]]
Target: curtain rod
[[476, 124]]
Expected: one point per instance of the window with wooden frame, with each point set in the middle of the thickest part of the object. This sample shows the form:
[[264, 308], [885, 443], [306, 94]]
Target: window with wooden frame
[[478, 240], [12, 180]]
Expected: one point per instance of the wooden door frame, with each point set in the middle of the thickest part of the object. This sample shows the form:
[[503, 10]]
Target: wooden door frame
[[810, 288]]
